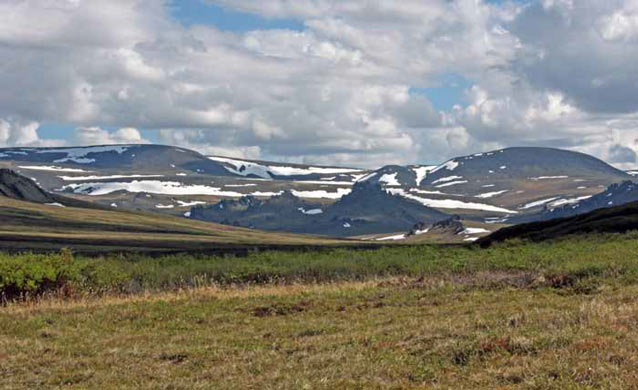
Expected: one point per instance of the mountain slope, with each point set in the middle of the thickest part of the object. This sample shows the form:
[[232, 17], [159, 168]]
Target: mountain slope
[[18, 187], [519, 179], [368, 209], [618, 219], [521, 163], [615, 195], [15, 186], [118, 157]]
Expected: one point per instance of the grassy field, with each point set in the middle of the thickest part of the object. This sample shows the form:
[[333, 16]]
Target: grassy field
[[31, 226], [557, 315]]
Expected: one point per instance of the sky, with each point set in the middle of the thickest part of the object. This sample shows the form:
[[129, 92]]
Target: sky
[[359, 83]]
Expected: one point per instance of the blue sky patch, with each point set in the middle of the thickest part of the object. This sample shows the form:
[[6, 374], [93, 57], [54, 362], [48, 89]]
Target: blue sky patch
[[197, 12], [451, 91]]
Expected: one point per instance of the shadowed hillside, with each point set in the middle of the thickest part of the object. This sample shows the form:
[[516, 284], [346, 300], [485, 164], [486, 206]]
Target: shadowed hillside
[[618, 219]]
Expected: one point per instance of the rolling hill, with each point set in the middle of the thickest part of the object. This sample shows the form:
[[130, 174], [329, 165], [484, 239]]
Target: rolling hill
[[33, 219], [619, 219]]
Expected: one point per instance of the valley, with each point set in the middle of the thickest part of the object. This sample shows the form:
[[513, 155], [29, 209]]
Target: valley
[[487, 190]]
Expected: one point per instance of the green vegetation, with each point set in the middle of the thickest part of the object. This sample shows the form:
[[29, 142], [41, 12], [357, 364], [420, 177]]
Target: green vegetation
[[608, 256], [552, 315]]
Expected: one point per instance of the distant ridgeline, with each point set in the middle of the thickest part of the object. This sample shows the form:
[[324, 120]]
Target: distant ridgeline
[[493, 188]]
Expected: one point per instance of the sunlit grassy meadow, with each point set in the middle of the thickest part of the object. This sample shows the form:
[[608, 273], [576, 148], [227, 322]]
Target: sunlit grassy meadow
[[556, 315]]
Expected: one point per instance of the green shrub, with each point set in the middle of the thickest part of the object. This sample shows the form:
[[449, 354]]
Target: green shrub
[[576, 263], [30, 274]]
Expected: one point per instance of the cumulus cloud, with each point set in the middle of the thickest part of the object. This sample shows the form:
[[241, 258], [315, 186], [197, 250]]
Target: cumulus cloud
[[19, 132], [98, 136], [548, 72]]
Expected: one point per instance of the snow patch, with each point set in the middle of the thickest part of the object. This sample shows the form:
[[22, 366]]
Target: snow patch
[[449, 165], [310, 212], [150, 186], [474, 231], [246, 168], [56, 204], [422, 172], [181, 203], [562, 202], [161, 206], [451, 184], [538, 203], [322, 194], [240, 185], [390, 179], [424, 192], [79, 155], [392, 238], [52, 168], [451, 204], [367, 177], [490, 194], [95, 177], [331, 183], [446, 179], [548, 178]]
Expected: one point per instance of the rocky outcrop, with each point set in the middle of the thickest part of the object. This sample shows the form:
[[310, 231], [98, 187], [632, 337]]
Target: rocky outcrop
[[15, 186]]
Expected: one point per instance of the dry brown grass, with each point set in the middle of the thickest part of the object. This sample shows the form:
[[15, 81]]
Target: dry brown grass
[[380, 334]]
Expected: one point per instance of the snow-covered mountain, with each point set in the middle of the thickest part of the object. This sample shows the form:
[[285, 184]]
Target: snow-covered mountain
[[504, 166], [493, 187]]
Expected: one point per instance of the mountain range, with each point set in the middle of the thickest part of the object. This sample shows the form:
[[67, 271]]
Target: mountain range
[[486, 190]]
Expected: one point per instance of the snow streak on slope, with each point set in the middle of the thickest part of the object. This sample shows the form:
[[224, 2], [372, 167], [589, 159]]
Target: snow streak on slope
[[94, 177], [538, 203], [52, 168], [422, 172], [177, 188], [446, 179], [149, 186], [490, 194], [79, 155], [450, 203], [451, 184], [450, 166], [246, 168]]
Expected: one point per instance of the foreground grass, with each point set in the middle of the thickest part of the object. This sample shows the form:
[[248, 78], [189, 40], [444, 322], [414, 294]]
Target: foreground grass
[[559, 315], [393, 333]]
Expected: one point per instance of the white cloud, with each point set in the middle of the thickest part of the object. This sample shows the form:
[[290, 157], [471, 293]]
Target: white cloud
[[553, 72], [18, 132], [98, 136]]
